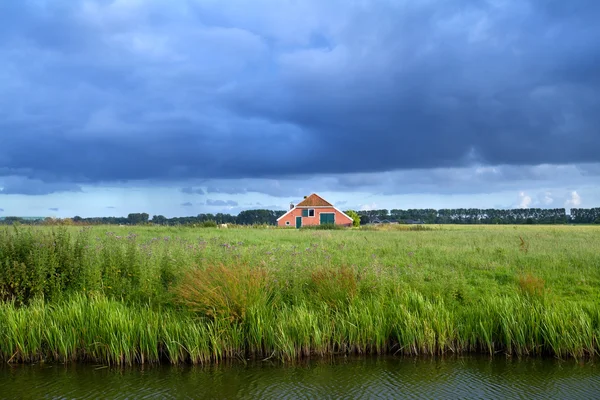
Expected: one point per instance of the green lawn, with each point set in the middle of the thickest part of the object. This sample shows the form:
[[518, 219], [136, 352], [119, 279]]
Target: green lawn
[[480, 260], [221, 293]]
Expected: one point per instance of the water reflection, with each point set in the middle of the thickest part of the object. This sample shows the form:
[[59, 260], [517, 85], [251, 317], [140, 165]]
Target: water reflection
[[470, 377]]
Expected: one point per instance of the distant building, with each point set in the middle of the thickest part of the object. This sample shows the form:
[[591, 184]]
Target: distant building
[[313, 210]]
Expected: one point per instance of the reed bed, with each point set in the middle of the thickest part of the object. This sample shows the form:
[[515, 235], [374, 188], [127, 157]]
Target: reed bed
[[150, 295], [101, 330]]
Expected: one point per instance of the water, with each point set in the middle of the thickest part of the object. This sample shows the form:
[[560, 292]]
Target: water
[[464, 378]]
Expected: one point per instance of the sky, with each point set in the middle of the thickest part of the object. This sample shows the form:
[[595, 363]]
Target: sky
[[109, 107]]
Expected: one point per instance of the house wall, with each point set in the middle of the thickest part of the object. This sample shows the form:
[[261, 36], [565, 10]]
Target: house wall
[[340, 219]]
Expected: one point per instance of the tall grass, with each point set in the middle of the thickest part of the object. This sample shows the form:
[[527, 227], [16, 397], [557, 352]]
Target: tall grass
[[166, 295], [98, 329], [224, 292]]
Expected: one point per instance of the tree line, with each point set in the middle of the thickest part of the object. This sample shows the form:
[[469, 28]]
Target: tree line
[[248, 217], [425, 216], [482, 216]]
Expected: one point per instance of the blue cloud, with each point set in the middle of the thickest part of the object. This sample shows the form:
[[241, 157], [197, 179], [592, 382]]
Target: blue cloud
[[34, 187], [190, 190], [221, 203], [153, 91], [187, 204]]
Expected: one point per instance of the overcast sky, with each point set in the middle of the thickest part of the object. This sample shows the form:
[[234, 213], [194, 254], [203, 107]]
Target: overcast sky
[[180, 107]]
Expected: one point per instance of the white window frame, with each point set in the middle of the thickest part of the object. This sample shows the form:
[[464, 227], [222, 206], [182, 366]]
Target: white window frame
[[313, 212], [287, 223]]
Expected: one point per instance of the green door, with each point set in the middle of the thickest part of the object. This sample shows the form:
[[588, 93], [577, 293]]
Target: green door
[[327, 218], [298, 222]]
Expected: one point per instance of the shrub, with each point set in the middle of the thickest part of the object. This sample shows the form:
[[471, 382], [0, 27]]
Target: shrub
[[35, 263], [355, 217]]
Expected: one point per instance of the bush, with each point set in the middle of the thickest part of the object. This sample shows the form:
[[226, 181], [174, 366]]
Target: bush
[[208, 224], [35, 263], [355, 217]]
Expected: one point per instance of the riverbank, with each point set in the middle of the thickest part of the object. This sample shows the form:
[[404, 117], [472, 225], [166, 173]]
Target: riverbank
[[154, 295]]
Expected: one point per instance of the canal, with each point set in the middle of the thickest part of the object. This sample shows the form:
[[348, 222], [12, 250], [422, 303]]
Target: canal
[[340, 378]]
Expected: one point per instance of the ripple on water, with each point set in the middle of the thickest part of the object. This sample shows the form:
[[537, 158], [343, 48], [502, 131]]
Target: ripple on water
[[471, 377]]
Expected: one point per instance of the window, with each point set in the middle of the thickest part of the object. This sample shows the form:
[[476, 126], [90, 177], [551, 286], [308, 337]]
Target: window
[[287, 222], [308, 212]]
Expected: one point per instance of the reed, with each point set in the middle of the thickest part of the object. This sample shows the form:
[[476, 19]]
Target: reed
[[101, 330]]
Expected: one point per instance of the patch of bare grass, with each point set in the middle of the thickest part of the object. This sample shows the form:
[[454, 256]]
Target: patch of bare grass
[[531, 285], [224, 291]]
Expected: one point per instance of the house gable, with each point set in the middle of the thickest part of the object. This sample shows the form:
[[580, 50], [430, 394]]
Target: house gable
[[314, 200], [320, 205]]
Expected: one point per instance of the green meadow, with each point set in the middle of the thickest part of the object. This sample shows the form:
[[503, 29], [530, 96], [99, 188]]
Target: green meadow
[[127, 295]]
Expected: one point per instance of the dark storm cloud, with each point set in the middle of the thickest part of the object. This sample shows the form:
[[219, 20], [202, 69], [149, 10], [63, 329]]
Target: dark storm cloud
[[272, 187], [471, 180], [190, 190], [34, 187], [221, 203], [121, 91], [233, 189]]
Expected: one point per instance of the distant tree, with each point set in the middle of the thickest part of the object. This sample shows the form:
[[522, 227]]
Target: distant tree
[[137, 218], [355, 217], [49, 221], [253, 217], [364, 219], [13, 221], [159, 219]]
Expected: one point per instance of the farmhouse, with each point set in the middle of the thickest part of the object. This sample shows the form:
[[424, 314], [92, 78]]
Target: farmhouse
[[313, 210]]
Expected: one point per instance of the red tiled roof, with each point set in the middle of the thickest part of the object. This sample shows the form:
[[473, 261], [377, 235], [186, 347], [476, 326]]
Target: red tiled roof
[[314, 200]]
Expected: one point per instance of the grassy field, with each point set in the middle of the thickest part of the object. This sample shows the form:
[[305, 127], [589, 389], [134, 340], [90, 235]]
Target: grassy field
[[149, 294]]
